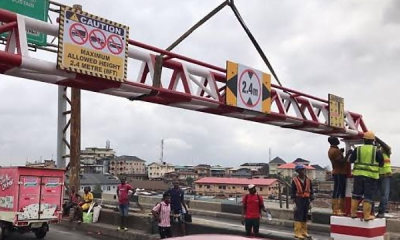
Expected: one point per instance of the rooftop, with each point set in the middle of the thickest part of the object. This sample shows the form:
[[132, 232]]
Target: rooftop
[[236, 181], [149, 184], [292, 166], [161, 164], [129, 158], [277, 160], [98, 178], [300, 160], [253, 164], [317, 167]]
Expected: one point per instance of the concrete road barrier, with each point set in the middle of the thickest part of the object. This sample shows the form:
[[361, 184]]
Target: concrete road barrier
[[233, 211]]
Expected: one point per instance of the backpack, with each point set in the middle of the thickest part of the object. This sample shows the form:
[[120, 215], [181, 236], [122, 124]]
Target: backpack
[[260, 202]]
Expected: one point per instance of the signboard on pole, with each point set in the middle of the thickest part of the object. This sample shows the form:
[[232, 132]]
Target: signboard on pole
[[248, 88], [336, 111], [38, 9], [92, 45]]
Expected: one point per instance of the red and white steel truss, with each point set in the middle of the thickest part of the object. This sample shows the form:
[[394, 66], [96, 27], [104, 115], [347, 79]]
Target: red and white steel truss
[[203, 84]]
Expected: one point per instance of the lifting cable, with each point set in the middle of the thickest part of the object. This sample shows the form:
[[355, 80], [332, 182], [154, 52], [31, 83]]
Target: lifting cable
[[253, 40], [160, 58]]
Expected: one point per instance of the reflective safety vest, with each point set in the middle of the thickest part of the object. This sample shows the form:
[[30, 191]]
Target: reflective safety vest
[[366, 164], [302, 193], [387, 167]]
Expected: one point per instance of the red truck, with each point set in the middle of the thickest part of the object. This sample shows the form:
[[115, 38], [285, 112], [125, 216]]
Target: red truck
[[30, 199]]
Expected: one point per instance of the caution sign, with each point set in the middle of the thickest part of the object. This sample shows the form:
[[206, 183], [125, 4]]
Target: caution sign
[[336, 111], [248, 88], [92, 45]]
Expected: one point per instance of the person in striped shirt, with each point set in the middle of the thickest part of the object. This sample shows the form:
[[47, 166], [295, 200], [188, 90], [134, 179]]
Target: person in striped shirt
[[162, 212]]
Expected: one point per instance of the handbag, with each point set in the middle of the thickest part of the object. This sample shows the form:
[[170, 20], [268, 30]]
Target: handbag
[[188, 217]]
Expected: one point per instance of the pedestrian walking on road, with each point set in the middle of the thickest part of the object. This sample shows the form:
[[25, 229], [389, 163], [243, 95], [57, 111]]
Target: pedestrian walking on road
[[177, 202], [367, 160], [339, 173], [123, 194], [135, 199], [253, 204], [162, 213], [302, 195]]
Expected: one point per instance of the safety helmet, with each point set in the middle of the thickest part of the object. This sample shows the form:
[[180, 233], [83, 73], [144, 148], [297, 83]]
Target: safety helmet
[[369, 135], [298, 167]]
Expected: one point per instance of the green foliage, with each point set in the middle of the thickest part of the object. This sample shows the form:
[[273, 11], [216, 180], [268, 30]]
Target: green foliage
[[97, 189], [189, 181]]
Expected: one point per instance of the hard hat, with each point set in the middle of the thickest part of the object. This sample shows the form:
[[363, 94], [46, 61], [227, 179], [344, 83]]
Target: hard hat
[[250, 186], [298, 167], [369, 135]]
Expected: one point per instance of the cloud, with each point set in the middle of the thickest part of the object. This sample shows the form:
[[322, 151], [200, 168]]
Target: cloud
[[342, 47]]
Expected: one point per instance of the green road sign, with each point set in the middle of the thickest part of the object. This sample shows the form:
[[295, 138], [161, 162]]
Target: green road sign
[[38, 9]]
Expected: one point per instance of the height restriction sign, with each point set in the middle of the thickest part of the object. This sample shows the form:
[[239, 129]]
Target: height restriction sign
[[248, 88], [336, 111], [92, 45]]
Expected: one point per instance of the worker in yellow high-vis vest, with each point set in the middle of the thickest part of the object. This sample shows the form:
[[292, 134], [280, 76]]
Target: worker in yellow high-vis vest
[[367, 160], [385, 175]]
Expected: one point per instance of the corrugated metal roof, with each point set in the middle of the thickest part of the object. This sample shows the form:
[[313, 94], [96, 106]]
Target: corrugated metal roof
[[317, 167], [293, 165], [236, 181], [277, 160], [96, 178], [128, 158]]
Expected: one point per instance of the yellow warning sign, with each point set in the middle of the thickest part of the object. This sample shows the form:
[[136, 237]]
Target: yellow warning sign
[[74, 18], [248, 88], [336, 111], [92, 45]]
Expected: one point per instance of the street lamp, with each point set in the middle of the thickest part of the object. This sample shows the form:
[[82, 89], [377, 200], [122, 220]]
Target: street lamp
[[279, 190]]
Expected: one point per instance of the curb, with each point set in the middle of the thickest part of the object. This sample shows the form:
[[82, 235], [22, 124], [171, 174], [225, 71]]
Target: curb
[[107, 230]]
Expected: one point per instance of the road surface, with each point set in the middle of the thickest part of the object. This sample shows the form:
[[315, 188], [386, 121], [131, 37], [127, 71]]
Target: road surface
[[57, 233], [275, 230]]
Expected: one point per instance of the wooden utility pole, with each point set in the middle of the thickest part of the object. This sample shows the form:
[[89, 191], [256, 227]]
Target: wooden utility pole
[[75, 133]]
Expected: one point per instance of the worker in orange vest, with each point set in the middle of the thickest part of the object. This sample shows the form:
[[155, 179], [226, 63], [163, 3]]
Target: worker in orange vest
[[302, 195], [339, 173]]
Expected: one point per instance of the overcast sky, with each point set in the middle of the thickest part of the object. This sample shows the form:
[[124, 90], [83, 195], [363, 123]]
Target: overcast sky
[[348, 48]]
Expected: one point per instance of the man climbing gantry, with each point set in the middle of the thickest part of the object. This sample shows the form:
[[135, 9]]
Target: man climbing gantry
[[339, 174], [367, 160]]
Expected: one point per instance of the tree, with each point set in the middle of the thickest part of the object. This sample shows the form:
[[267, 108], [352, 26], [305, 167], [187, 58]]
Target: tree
[[97, 188], [264, 170], [189, 181]]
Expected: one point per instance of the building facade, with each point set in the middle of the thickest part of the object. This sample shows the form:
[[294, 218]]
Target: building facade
[[157, 170], [203, 170], [40, 164], [127, 165], [320, 172], [96, 160], [232, 187], [274, 164], [287, 170], [106, 183]]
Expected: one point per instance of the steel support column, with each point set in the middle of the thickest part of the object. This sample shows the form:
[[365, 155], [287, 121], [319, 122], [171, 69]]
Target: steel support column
[[61, 125]]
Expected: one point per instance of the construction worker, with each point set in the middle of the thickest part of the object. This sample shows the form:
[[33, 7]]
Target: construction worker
[[339, 173], [367, 159], [302, 195], [385, 175]]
